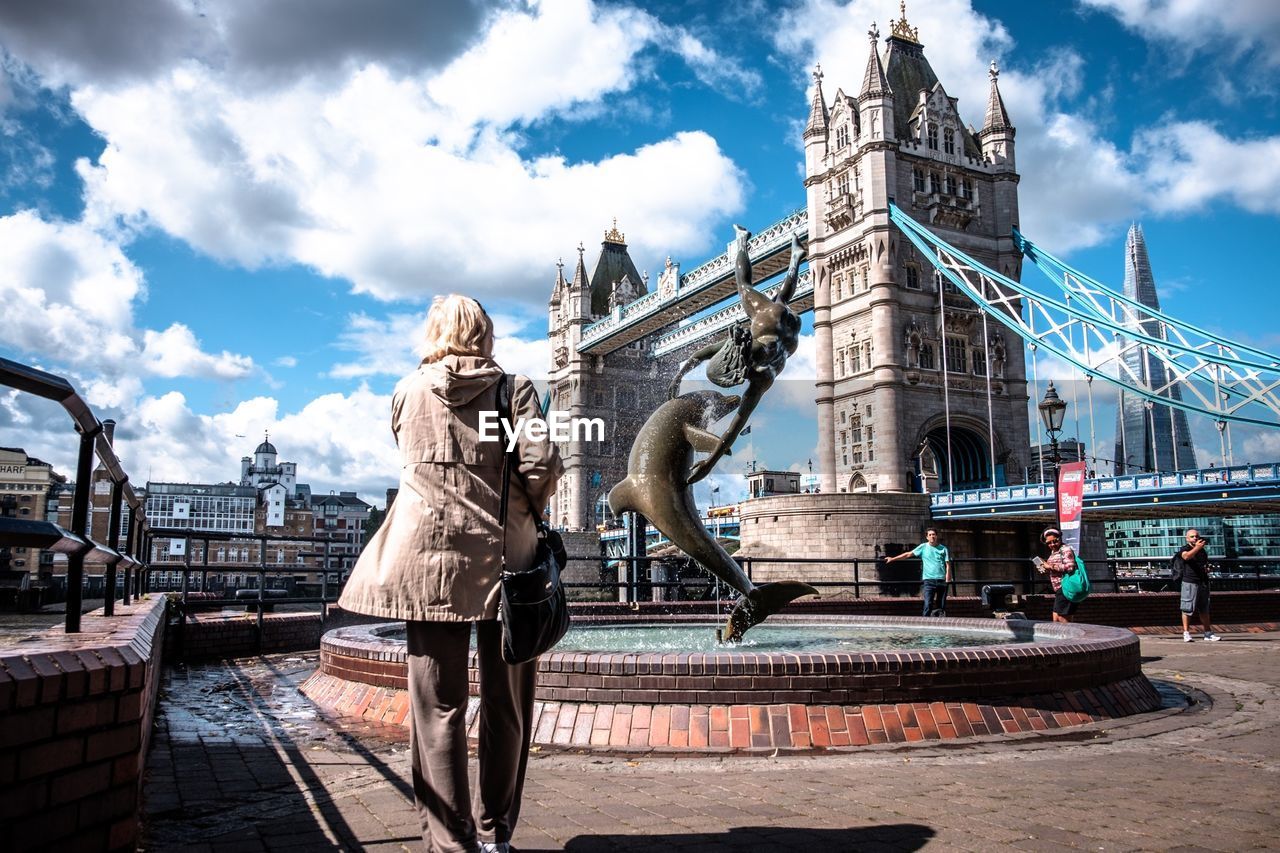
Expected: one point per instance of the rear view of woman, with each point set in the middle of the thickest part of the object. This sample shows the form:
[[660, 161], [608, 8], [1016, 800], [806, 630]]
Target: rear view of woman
[[435, 563]]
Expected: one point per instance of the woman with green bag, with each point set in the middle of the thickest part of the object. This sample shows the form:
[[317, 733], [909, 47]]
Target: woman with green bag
[[1061, 563]]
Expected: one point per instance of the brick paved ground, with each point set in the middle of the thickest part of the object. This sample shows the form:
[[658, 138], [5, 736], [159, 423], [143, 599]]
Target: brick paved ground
[[241, 761]]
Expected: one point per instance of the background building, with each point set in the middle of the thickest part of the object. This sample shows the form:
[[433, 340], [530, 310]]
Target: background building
[[1149, 437], [27, 487]]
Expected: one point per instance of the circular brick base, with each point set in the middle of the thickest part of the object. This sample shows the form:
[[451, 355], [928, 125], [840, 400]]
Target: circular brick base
[[1072, 674]]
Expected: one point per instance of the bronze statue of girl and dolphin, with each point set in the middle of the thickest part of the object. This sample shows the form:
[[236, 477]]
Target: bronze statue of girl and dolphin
[[661, 469]]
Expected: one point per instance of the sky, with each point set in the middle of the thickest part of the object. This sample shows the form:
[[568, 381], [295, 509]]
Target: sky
[[219, 219]]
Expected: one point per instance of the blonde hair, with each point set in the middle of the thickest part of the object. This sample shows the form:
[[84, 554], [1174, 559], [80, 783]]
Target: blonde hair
[[456, 325]]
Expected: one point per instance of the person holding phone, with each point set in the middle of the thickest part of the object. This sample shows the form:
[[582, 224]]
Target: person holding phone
[[1191, 566], [1061, 562]]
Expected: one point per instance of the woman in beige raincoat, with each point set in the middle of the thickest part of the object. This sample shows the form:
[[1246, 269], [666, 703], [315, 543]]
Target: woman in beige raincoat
[[435, 563]]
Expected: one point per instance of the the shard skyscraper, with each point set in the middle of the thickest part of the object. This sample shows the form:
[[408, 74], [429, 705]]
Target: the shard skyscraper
[[1149, 437]]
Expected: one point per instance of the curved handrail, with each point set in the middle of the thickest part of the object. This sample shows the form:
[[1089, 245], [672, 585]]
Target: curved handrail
[[76, 542]]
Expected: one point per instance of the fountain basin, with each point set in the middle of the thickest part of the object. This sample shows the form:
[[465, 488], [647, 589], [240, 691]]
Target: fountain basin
[[1030, 676]]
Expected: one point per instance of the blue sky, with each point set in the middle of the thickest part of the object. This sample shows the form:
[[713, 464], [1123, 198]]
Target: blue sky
[[222, 218]]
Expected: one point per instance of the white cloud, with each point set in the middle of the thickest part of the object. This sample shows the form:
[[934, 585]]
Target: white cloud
[[176, 352], [1241, 25], [389, 347], [69, 291], [387, 174], [340, 441], [1183, 163]]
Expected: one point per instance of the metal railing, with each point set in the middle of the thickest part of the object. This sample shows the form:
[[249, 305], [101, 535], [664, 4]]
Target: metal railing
[[76, 542], [638, 577], [262, 569]]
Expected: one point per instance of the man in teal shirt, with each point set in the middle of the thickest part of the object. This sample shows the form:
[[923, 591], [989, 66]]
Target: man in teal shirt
[[936, 574]]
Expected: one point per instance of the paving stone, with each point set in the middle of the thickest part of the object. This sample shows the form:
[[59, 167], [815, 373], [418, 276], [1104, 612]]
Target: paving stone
[[242, 761]]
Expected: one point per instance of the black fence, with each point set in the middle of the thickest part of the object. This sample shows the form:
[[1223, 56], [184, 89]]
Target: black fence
[[75, 541], [631, 579], [205, 586]]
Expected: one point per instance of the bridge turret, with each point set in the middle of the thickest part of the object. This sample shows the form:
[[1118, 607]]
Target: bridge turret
[[816, 131], [997, 131], [555, 304], [875, 100]]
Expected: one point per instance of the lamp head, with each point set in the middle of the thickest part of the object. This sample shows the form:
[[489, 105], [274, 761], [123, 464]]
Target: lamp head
[[1053, 410]]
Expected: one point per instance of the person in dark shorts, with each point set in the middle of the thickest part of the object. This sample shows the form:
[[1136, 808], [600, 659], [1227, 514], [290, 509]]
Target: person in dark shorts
[[1061, 562], [1191, 566]]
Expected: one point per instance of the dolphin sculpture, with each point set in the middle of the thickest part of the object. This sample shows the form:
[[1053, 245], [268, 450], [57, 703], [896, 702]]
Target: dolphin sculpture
[[657, 486]]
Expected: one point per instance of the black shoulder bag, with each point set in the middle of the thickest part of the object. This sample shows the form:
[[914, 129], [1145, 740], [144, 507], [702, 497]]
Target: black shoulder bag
[[534, 611]]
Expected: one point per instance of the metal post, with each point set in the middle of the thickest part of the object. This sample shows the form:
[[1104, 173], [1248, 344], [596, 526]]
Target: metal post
[[324, 583], [262, 584], [946, 389], [131, 548], [204, 565], [113, 542], [991, 428], [857, 582], [79, 526]]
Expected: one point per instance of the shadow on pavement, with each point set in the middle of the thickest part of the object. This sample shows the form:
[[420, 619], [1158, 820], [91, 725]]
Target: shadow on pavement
[[899, 836]]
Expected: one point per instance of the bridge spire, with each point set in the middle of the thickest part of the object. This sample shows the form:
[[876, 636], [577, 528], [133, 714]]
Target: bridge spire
[[817, 125], [874, 82], [580, 271], [558, 288], [997, 116]]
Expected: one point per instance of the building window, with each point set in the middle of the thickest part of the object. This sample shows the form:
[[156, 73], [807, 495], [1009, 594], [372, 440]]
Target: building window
[[933, 182], [842, 183], [855, 357], [966, 189], [951, 185], [957, 355], [913, 277], [856, 431], [917, 180], [979, 362], [931, 135], [926, 357], [842, 136], [949, 141]]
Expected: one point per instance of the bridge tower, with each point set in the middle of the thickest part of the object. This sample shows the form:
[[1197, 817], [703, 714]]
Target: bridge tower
[[620, 387], [883, 394]]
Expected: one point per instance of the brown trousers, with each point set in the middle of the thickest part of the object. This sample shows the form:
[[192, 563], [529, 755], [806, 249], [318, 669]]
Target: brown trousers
[[438, 737]]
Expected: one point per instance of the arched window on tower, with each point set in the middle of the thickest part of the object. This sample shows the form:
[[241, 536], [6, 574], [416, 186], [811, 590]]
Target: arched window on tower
[[926, 357], [931, 135], [951, 185], [842, 136], [949, 141], [917, 180], [913, 277]]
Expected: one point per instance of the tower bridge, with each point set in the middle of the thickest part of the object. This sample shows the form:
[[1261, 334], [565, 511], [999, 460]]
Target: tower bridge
[[927, 341]]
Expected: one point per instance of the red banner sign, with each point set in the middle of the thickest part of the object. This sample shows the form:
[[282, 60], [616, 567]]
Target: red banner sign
[[1071, 502]]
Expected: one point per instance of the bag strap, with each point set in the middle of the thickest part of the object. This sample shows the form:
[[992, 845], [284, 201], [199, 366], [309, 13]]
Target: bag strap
[[504, 413]]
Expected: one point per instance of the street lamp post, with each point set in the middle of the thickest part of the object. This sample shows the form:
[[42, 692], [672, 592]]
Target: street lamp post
[[1053, 411]]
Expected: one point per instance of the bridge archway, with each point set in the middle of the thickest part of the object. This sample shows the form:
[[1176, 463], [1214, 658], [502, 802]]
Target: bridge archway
[[970, 456]]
